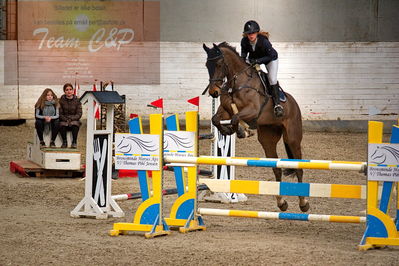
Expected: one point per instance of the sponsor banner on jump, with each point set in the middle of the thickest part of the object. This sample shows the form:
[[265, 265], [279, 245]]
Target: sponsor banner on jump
[[383, 162], [60, 41], [137, 152], [179, 143]]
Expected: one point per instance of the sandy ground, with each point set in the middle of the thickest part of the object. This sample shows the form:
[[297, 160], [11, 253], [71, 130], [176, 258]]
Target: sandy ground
[[36, 227]]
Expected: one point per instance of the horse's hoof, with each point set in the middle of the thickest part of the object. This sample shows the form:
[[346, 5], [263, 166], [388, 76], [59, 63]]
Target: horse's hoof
[[241, 133], [226, 131], [289, 172], [283, 207], [250, 133], [305, 207]]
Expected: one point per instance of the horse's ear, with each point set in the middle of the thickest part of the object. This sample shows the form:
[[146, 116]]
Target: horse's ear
[[205, 48]]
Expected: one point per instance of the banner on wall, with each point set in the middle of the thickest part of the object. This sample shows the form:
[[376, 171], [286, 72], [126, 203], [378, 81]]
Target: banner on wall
[[59, 41]]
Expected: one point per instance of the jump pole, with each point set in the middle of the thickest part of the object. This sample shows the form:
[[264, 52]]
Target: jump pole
[[282, 216], [381, 229], [269, 162]]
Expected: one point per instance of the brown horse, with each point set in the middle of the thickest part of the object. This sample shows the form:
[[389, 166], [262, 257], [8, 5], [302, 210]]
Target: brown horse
[[238, 83]]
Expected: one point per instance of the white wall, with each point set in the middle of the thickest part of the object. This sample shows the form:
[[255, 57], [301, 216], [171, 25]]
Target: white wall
[[9, 93], [331, 81]]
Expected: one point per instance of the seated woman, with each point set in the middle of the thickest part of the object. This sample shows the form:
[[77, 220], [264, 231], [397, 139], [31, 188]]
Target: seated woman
[[46, 114], [70, 114]]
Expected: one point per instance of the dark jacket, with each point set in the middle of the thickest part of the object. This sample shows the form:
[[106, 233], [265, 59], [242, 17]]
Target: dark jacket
[[264, 52], [70, 111]]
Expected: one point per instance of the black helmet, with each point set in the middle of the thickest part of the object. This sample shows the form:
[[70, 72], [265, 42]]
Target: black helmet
[[251, 27]]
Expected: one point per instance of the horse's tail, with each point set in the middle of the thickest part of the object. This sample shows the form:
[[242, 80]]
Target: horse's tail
[[289, 172]]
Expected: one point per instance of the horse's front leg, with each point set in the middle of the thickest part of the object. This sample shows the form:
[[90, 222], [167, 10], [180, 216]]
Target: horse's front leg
[[222, 114], [238, 120]]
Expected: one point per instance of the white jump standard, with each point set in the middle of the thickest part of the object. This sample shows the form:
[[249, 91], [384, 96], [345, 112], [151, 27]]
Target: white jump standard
[[97, 201]]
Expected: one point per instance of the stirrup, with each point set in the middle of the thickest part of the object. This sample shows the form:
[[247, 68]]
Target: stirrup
[[278, 110]]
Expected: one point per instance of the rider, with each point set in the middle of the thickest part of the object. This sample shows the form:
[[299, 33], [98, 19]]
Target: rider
[[260, 50]]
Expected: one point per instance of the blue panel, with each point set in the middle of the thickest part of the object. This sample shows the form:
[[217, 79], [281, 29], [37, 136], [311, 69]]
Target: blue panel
[[150, 214], [171, 123], [395, 135], [134, 126], [294, 216], [375, 228], [178, 170], [295, 160], [260, 163], [395, 139], [185, 209], [294, 189], [143, 184], [385, 196]]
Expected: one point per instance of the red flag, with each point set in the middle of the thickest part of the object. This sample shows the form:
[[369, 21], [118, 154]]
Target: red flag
[[96, 106], [158, 103], [75, 89], [78, 89], [194, 101]]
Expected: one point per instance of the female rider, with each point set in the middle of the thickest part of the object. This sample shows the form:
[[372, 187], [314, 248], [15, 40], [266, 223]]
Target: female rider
[[260, 50]]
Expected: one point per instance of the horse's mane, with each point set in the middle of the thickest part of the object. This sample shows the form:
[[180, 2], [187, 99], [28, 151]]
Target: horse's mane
[[228, 46]]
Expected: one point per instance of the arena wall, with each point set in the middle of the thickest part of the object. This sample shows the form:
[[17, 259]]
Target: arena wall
[[340, 59], [331, 81]]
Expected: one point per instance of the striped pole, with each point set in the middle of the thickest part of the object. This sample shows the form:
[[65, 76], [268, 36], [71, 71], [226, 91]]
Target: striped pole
[[138, 195], [271, 162], [273, 188], [282, 216]]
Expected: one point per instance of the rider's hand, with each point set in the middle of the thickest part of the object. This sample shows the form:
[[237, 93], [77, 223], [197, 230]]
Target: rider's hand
[[253, 62]]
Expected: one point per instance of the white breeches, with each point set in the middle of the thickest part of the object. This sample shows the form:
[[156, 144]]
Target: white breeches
[[272, 69]]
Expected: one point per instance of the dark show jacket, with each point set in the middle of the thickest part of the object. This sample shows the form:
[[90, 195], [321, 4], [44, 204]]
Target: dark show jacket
[[264, 52]]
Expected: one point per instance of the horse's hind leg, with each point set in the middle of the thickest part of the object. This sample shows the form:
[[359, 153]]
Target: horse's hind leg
[[268, 136], [292, 141], [289, 172]]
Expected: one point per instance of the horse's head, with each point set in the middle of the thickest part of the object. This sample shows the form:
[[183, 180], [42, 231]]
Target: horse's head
[[217, 70]]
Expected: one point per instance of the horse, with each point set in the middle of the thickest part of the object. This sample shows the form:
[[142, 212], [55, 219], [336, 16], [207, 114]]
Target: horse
[[244, 101]]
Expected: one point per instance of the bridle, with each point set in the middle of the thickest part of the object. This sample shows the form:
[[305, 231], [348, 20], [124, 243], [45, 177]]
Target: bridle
[[225, 66], [225, 71]]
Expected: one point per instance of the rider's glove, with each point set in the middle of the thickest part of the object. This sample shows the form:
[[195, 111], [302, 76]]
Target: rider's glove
[[253, 62]]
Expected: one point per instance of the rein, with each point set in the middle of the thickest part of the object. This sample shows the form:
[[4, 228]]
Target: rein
[[225, 66]]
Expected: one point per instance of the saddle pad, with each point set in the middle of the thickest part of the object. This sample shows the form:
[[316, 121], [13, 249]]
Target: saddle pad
[[283, 98]]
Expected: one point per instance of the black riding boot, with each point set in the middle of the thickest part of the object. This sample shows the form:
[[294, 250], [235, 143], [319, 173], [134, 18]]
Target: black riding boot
[[278, 109]]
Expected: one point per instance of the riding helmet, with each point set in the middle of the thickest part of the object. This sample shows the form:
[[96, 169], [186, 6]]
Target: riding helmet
[[251, 27]]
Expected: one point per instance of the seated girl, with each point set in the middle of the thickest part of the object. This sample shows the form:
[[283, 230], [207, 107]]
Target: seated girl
[[47, 114], [70, 114]]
